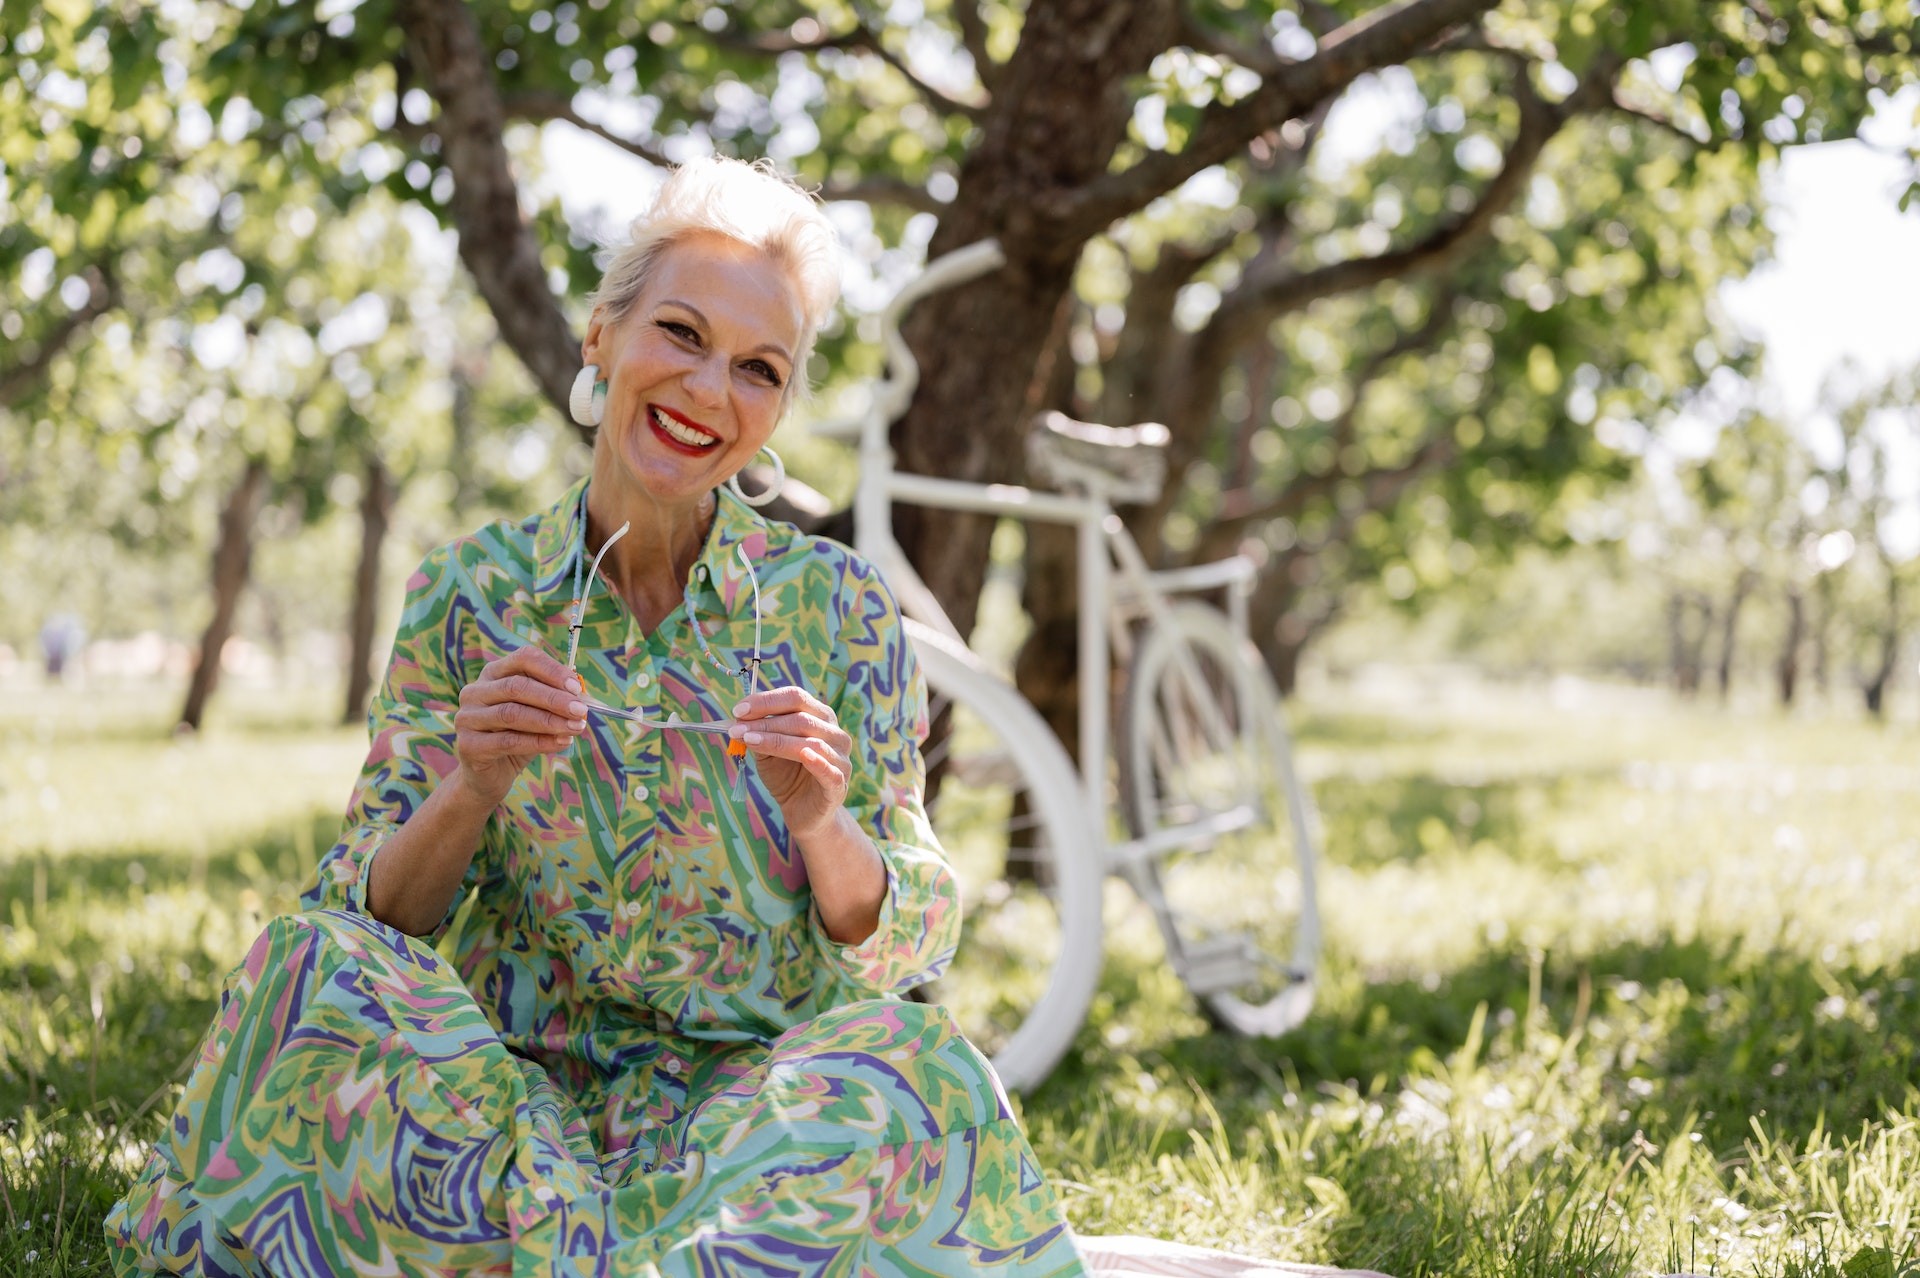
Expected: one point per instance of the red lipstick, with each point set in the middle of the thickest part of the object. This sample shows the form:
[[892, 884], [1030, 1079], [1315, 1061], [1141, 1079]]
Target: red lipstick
[[679, 445]]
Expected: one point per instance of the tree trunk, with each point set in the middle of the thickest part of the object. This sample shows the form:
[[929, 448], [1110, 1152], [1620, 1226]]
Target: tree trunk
[[376, 513], [447, 51], [1730, 631], [1822, 631], [1283, 640], [1060, 109], [1876, 687], [232, 559], [1687, 647], [1261, 361], [1047, 667], [468, 369], [1789, 666]]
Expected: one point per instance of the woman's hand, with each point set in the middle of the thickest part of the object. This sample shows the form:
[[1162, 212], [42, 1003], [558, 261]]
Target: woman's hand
[[803, 755], [522, 705]]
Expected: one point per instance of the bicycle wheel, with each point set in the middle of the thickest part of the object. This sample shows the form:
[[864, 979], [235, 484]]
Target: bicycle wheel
[[1004, 801], [1223, 828]]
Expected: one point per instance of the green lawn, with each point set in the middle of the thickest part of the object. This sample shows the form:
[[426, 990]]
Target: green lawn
[[1612, 988]]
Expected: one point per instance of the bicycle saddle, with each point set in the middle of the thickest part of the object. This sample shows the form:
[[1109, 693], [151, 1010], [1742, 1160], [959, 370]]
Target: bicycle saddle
[[1124, 464]]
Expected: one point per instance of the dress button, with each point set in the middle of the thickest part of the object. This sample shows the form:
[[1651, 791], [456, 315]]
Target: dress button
[[849, 953], [631, 909], [672, 1066], [544, 1193], [642, 680], [640, 792]]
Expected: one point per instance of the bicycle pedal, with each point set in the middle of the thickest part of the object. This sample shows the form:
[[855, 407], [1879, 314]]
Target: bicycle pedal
[[1221, 965]]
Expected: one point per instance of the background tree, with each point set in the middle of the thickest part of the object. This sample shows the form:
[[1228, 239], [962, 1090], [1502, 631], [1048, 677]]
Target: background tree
[[1071, 124], [250, 356], [1879, 437]]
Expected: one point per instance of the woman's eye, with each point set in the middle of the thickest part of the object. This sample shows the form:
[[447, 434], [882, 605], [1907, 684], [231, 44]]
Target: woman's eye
[[682, 331], [760, 368]]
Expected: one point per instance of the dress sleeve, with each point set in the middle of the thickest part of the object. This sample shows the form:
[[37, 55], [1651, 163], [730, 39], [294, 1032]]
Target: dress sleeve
[[410, 724], [876, 692]]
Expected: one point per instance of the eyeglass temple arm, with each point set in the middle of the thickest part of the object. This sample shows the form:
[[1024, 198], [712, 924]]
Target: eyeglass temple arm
[[753, 666], [580, 595]]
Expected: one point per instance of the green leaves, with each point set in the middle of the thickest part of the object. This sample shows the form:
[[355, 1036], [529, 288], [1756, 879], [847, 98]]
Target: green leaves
[[1878, 1262]]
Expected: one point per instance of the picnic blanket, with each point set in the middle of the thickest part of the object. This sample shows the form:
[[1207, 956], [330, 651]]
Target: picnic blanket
[[1121, 1256]]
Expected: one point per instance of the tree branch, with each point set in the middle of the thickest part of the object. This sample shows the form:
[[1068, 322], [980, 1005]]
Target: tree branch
[[1133, 375], [973, 35], [1657, 120], [884, 190], [1379, 488], [540, 107], [496, 243], [22, 379], [1237, 508], [1202, 39], [1381, 37], [1281, 289], [859, 40]]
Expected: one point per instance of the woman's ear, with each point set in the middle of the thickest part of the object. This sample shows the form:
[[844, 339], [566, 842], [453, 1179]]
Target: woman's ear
[[597, 335]]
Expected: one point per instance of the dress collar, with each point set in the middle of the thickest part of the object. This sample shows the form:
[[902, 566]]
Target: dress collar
[[558, 543]]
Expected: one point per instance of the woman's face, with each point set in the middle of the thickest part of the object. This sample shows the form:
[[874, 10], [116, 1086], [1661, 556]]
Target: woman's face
[[697, 371]]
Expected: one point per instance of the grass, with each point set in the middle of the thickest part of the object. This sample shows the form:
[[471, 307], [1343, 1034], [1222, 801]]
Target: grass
[[1611, 988]]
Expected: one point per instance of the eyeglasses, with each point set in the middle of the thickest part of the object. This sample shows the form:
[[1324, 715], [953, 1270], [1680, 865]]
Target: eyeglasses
[[748, 672]]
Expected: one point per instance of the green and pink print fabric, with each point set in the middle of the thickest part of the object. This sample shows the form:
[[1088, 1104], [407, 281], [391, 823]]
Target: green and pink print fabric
[[630, 1048]]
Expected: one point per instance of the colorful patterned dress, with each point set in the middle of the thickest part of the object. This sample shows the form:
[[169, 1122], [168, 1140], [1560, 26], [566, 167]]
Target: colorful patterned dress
[[633, 1049]]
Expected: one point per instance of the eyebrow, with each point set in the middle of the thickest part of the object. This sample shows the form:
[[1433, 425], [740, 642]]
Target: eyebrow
[[773, 348]]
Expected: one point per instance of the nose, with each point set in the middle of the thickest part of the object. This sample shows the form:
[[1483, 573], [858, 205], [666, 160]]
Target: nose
[[706, 382]]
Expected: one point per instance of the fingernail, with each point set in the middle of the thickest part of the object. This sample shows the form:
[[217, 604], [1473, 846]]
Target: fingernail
[[577, 708], [579, 725], [573, 685], [752, 738], [736, 731], [739, 709]]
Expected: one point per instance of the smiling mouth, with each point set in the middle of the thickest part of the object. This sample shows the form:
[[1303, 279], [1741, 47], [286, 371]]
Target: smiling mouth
[[680, 432]]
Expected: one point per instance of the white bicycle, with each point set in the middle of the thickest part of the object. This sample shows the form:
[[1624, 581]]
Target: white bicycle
[[1204, 761]]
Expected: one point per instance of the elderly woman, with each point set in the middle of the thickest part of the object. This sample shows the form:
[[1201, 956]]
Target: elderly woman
[[662, 1028]]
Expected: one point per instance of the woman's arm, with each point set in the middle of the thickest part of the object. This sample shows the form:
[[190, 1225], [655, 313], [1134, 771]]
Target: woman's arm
[[522, 705], [805, 766], [847, 761]]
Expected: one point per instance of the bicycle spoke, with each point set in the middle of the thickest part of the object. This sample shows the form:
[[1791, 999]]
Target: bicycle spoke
[[936, 758], [1231, 904]]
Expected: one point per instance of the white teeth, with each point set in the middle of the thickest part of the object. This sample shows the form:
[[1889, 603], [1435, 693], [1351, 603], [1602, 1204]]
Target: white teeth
[[685, 434]]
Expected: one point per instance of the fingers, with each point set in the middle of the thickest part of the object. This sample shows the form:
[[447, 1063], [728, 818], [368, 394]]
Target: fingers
[[825, 731], [791, 723], [829, 766], [515, 716], [534, 663], [477, 747], [524, 690], [788, 700], [524, 702]]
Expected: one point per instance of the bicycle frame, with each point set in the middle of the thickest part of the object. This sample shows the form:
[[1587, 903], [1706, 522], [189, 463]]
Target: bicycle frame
[[1102, 542]]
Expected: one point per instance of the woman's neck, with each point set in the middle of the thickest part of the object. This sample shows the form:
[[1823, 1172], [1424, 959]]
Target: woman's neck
[[648, 566]]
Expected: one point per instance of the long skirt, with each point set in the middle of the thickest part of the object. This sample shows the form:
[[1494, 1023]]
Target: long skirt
[[352, 1112]]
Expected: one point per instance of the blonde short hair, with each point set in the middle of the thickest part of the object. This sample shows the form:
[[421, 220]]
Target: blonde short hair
[[754, 204]]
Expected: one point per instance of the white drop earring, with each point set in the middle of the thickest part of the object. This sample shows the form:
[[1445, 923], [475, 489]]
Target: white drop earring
[[588, 400], [772, 492]]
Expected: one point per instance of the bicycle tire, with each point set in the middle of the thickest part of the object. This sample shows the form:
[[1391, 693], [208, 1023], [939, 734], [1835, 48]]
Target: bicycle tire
[[1231, 905], [1030, 952]]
